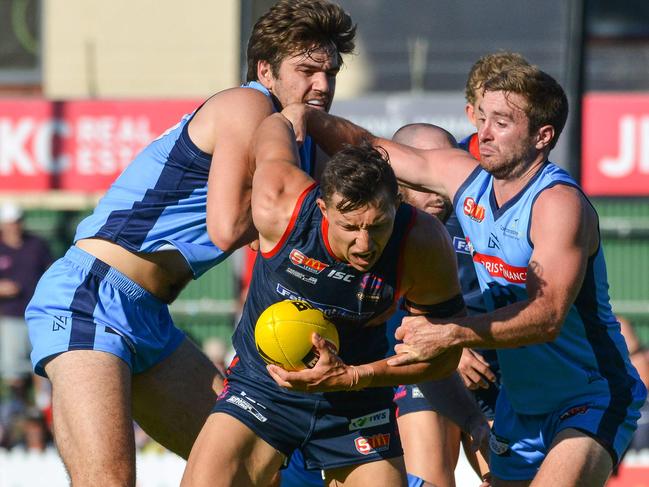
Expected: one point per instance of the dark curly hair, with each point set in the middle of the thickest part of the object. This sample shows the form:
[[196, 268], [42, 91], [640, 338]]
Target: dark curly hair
[[361, 175], [291, 27]]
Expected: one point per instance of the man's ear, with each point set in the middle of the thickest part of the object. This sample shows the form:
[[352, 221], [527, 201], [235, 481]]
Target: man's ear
[[265, 74], [469, 109], [544, 136], [322, 205]]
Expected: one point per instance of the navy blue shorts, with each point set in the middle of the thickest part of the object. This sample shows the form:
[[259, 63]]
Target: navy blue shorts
[[486, 398], [331, 430], [81, 303], [410, 399]]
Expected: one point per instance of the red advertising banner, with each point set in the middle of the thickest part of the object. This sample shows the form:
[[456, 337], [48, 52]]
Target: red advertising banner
[[615, 144], [77, 145]]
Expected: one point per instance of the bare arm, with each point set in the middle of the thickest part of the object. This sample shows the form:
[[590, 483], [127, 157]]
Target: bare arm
[[556, 272], [278, 181], [225, 126], [439, 170]]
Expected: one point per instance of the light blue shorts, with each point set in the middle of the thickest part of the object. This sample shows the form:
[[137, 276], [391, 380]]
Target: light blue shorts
[[519, 443], [81, 303]]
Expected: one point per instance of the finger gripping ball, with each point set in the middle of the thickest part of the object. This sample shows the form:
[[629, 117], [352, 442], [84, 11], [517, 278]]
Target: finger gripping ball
[[283, 334]]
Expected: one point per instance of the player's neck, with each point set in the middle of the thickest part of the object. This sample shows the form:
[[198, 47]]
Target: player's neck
[[507, 188]]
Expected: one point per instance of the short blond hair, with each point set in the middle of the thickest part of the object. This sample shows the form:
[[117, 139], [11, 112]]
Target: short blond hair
[[487, 67]]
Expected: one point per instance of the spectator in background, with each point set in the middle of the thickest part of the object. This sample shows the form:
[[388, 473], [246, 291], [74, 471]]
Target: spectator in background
[[13, 409], [33, 434], [23, 259], [640, 359]]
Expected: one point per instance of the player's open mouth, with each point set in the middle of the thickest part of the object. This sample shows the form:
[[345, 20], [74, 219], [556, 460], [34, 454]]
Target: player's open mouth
[[364, 259], [486, 151], [320, 104]]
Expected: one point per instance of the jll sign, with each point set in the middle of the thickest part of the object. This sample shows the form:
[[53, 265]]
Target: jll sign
[[615, 144]]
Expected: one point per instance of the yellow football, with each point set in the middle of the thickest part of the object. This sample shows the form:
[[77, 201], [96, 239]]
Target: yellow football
[[283, 334]]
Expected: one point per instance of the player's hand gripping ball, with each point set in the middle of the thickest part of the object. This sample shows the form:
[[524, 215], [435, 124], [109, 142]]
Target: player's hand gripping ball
[[283, 334]]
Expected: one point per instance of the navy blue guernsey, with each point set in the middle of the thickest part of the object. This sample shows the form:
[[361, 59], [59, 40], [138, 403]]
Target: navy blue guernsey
[[302, 266]]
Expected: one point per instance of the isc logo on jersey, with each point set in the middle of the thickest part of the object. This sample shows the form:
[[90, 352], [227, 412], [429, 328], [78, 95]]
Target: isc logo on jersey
[[371, 444], [473, 210], [341, 276], [307, 263]]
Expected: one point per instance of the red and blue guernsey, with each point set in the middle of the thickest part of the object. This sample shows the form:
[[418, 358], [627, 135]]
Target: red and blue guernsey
[[471, 144], [302, 266], [589, 357], [331, 429], [160, 200]]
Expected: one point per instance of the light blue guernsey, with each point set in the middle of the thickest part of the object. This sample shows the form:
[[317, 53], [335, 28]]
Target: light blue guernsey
[[160, 200], [589, 357]]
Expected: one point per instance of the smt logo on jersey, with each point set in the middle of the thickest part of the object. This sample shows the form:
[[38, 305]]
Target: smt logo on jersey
[[307, 263], [372, 444], [473, 210]]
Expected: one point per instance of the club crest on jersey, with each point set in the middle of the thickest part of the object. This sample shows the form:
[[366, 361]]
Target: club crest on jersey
[[307, 263], [473, 210], [372, 444], [370, 288]]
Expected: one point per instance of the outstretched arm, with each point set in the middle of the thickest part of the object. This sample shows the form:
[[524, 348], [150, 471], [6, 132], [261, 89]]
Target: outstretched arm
[[439, 170]]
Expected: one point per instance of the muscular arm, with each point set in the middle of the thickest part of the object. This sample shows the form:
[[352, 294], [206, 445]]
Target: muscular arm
[[225, 126], [438, 170], [277, 182], [562, 247]]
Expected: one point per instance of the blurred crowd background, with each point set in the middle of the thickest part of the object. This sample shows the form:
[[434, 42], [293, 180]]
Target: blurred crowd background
[[84, 84]]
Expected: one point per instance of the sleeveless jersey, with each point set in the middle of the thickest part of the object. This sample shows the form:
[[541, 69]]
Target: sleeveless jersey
[[302, 266], [160, 199], [466, 272], [589, 355]]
